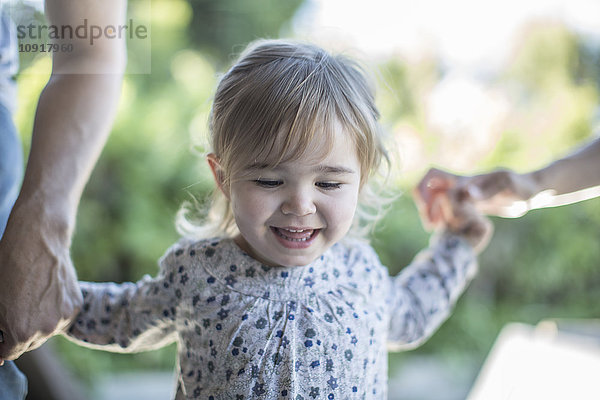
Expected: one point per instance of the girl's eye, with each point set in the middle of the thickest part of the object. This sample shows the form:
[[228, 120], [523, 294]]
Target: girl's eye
[[328, 185], [268, 183]]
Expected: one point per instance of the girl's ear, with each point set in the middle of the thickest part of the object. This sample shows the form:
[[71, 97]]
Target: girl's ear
[[218, 173]]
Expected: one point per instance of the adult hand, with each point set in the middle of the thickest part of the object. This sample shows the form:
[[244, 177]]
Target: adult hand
[[502, 193], [39, 293]]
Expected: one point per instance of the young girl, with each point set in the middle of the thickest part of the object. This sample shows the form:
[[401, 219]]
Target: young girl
[[281, 303]]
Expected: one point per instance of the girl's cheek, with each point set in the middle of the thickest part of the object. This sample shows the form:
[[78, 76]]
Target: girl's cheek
[[344, 207], [257, 201]]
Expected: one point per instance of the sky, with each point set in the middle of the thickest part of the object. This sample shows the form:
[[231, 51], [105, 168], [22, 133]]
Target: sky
[[469, 34]]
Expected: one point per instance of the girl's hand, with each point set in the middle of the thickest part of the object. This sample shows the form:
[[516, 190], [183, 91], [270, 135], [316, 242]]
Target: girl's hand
[[444, 202], [430, 196], [459, 216]]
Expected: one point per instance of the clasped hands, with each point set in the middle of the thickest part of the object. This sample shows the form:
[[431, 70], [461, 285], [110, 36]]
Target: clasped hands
[[39, 293]]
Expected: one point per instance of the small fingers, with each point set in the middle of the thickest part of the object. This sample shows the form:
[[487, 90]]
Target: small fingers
[[5, 346], [433, 182], [448, 210], [4, 339], [1, 341], [11, 348], [429, 211]]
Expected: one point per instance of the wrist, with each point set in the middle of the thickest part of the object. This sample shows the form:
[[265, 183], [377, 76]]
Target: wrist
[[536, 182], [556, 176], [476, 231], [46, 213]]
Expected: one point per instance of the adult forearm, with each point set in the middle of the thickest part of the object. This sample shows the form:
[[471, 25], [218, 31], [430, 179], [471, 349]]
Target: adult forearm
[[577, 171], [72, 122], [106, 53], [76, 110]]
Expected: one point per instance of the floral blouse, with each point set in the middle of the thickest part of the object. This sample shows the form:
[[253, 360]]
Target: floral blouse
[[248, 331]]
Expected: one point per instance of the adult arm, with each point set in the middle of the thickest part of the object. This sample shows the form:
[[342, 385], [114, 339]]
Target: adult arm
[[39, 293], [568, 180], [506, 193], [577, 171]]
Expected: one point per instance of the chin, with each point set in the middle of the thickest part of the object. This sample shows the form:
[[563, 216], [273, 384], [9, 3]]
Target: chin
[[295, 261]]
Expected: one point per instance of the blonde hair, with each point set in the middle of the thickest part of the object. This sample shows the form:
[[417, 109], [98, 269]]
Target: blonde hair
[[271, 105]]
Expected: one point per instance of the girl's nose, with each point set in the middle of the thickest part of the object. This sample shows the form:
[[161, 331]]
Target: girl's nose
[[299, 205]]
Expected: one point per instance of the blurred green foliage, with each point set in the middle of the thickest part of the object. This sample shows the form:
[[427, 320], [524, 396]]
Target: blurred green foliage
[[221, 28], [543, 265]]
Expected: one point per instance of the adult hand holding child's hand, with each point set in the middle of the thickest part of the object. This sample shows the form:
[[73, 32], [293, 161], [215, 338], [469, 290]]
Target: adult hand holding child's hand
[[39, 293], [444, 201], [502, 192]]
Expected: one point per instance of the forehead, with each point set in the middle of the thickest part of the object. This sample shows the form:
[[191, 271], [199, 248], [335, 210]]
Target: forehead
[[322, 145]]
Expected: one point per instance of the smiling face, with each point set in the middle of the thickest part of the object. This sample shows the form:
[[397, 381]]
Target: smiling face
[[291, 214]]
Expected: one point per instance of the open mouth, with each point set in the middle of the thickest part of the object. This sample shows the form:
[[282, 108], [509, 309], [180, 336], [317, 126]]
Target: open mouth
[[295, 234]]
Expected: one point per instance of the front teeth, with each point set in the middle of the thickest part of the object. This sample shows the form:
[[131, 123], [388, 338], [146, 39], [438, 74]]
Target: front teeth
[[281, 232]]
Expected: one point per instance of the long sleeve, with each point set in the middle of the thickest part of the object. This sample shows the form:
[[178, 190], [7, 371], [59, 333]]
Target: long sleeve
[[423, 294], [127, 317]]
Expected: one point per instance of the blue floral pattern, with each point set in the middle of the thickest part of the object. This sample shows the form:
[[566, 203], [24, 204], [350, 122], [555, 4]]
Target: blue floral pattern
[[248, 331]]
